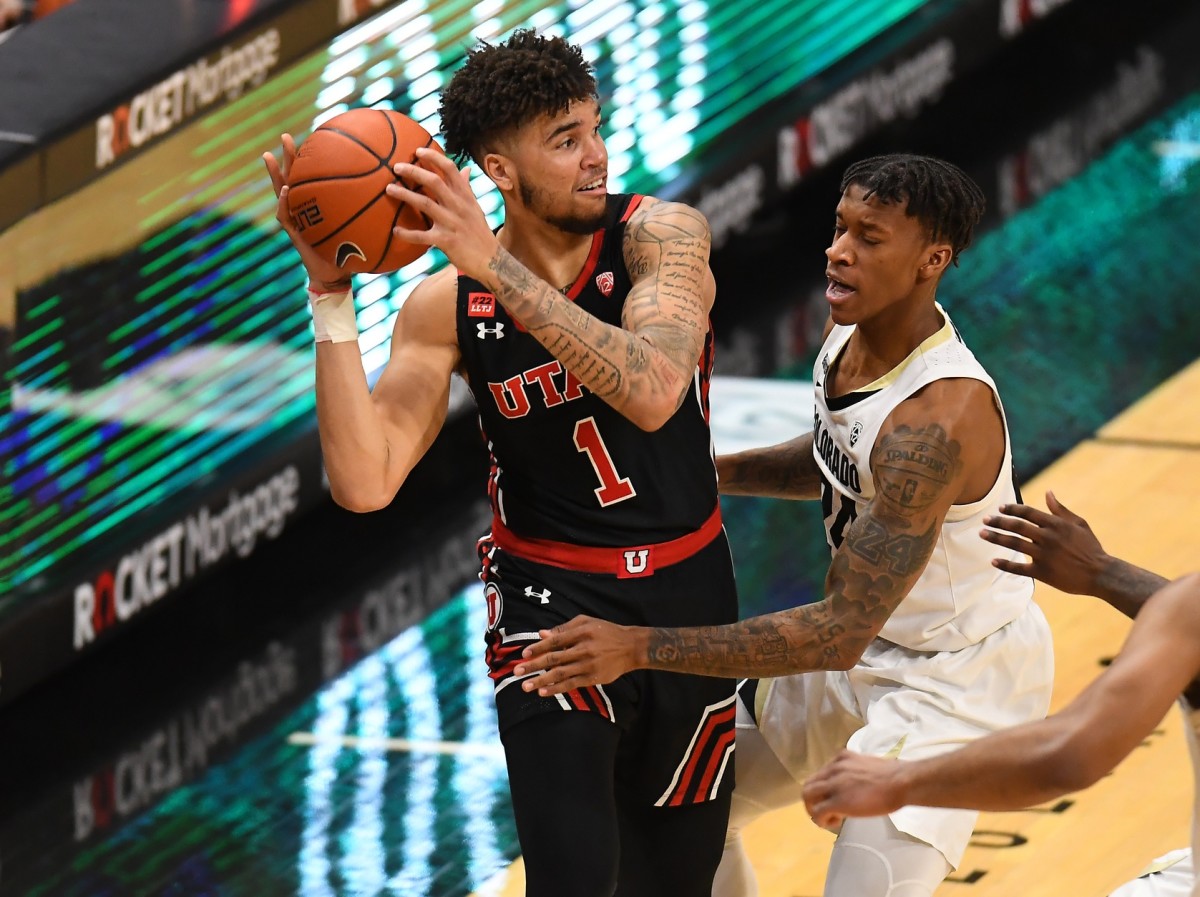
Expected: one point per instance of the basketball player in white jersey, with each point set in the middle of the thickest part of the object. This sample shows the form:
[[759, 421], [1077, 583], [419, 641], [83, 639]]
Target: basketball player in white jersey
[[919, 644], [1074, 748]]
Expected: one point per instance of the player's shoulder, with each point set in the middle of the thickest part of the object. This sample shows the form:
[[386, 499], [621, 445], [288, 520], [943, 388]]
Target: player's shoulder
[[431, 306], [957, 404], [681, 218], [436, 292]]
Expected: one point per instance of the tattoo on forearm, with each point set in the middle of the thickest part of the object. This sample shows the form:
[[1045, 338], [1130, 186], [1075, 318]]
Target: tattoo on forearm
[[830, 634], [1123, 579], [1126, 586], [787, 470], [884, 553]]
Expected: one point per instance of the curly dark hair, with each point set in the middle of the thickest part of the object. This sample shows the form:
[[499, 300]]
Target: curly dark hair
[[941, 196], [503, 86]]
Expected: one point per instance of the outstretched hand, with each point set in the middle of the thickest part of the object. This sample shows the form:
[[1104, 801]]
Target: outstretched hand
[[321, 274], [443, 195], [1063, 551], [853, 785], [581, 652]]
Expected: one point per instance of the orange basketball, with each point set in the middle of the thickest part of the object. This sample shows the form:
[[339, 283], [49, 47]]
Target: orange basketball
[[336, 189]]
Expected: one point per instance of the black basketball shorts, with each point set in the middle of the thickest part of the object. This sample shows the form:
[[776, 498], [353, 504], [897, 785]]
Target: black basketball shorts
[[677, 737]]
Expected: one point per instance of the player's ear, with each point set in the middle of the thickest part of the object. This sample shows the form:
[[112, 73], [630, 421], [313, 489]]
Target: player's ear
[[937, 260], [500, 169]]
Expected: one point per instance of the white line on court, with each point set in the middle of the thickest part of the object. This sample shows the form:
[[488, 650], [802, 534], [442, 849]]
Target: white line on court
[[488, 749]]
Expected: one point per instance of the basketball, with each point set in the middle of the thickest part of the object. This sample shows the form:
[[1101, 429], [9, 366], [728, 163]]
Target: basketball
[[336, 190]]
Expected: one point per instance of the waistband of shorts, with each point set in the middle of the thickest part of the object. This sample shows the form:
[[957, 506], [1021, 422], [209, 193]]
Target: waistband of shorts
[[624, 563]]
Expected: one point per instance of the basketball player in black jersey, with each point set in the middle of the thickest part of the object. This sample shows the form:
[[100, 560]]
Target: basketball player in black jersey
[[582, 328]]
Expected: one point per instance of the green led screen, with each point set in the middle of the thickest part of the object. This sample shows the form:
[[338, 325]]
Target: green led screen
[[159, 338]]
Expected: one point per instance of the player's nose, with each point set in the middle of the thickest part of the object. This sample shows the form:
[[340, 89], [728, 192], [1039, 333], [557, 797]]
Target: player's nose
[[839, 250], [595, 153]]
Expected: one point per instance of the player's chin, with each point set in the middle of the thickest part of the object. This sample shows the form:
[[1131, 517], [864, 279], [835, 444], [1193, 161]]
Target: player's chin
[[581, 220]]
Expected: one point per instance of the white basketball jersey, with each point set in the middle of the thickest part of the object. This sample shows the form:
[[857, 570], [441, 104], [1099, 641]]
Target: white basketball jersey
[[1174, 874], [960, 597], [1191, 717]]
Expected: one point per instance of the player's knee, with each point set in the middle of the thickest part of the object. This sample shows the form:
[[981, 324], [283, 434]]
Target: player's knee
[[871, 858], [586, 873]]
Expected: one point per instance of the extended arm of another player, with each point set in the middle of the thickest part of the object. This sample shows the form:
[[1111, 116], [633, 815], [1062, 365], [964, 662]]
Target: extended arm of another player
[[918, 471], [643, 368], [1064, 553], [371, 440], [786, 470], [1038, 761]]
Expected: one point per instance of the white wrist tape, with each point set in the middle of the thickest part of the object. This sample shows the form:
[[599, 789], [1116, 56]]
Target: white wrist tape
[[333, 316]]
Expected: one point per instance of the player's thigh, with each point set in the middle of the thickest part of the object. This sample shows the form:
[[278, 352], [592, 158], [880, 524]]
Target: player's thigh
[[561, 777], [763, 782]]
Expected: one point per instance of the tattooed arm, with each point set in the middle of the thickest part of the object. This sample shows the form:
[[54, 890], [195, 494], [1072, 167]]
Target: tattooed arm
[[786, 470], [922, 463], [644, 367], [1064, 553]]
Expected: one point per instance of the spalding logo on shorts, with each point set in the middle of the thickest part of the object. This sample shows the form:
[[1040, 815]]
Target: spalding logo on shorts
[[495, 605], [347, 251]]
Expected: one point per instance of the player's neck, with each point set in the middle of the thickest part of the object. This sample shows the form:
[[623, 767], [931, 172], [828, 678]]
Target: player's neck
[[883, 341], [551, 253]]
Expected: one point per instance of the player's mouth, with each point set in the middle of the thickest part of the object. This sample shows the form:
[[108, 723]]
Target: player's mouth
[[838, 290], [595, 187]]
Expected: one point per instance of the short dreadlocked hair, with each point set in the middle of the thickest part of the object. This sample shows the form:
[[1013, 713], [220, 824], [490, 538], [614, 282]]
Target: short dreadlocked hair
[[501, 87], [946, 202]]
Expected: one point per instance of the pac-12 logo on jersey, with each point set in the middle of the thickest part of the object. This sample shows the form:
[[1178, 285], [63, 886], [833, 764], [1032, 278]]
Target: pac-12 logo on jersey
[[481, 305], [484, 331], [605, 282], [855, 432], [495, 605]]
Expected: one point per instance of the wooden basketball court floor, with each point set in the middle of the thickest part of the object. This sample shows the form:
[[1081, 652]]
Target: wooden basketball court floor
[[1137, 482]]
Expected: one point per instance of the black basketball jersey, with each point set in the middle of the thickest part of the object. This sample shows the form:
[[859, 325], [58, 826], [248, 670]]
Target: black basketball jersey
[[565, 465]]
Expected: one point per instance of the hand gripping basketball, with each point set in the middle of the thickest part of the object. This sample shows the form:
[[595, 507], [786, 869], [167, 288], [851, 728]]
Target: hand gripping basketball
[[323, 275], [336, 194], [442, 195]]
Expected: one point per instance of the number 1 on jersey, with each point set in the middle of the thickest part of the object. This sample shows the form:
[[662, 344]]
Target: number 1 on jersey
[[613, 487]]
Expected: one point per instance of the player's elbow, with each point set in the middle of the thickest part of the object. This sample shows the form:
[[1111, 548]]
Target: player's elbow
[[358, 499], [649, 417], [1068, 764], [843, 659], [651, 414]]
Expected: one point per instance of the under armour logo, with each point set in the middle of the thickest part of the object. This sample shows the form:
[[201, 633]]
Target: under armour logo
[[485, 331], [544, 594], [855, 432], [605, 281], [637, 563]]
